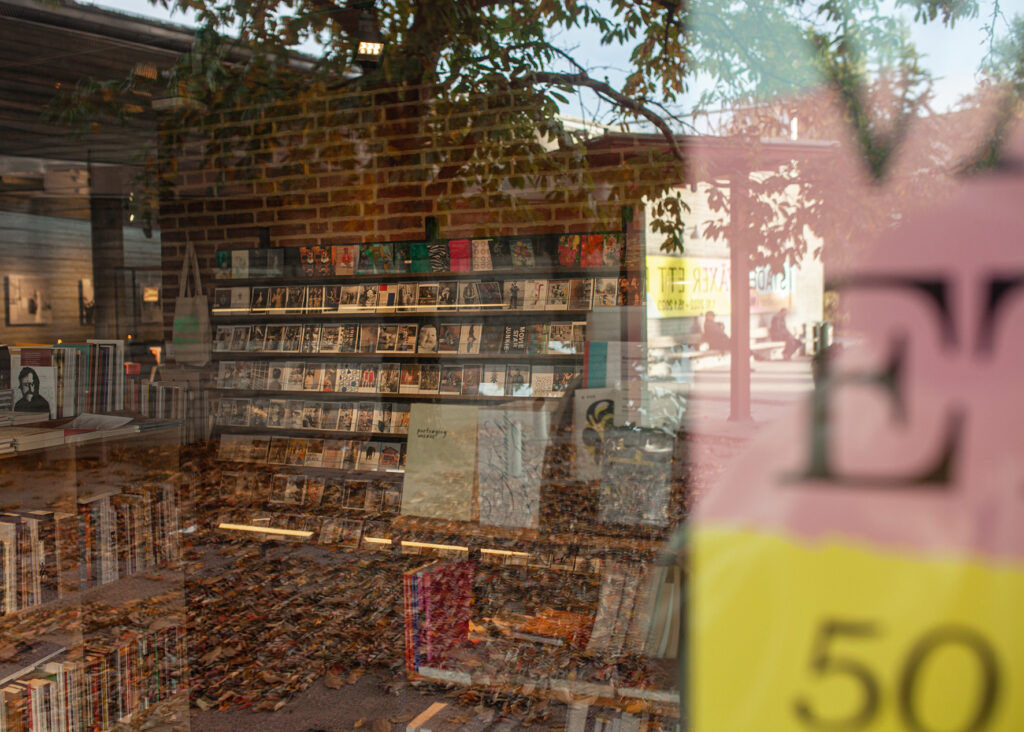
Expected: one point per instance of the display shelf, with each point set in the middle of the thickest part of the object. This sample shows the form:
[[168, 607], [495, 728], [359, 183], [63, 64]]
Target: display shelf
[[375, 396], [555, 271], [369, 357]]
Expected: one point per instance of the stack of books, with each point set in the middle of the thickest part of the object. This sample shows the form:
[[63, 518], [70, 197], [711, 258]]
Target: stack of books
[[114, 681], [437, 598]]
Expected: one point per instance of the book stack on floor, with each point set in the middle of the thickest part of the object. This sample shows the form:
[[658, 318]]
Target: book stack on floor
[[437, 599], [114, 681]]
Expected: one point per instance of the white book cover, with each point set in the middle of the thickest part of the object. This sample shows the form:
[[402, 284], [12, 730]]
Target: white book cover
[[542, 380], [493, 381], [440, 473], [510, 462], [33, 381], [536, 295]]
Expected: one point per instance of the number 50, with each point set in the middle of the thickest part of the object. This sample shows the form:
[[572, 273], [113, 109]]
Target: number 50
[[825, 662]]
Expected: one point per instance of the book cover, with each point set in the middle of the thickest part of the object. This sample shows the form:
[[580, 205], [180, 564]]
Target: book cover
[[491, 340], [400, 419], [513, 294], [592, 250], [542, 380], [448, 295], [408, 334], [410, 379], [346, 416], [581, 294], [314, 491], [222, 265], [521, 253], [293, 415], [311, 415], [440, 468], [314, 299], [469, 337], [345, 259], [291, 338], [514, 339], [329, 377], [365, 259], [560, 338], [257, 339], [332, 456], [33, 379], [307, 260], [278, 300], [406, 297], [471, 375], [369, 459], [427, 339], [349, 376], [613, 250], [364, 417], [440, 261], [332, 298], [295, 300], [387, 298], [382, 413], [367, 298], [328, 339], [329, 414], [348, 336], [430, 378], [276, 415], [296, 451], [451, 380], [501, 254], [459, 255], [510, 461], [390, 454], [291, 375], [349, 299], [367, 338], [558, 295], [426, 296], [469, 295], [275, 263], [368, 380], [493, 382], [310, 339], [239, 264], [402, 257], [606, 292], [517, 380], [314, 454], [448, 337], [388, 378], [259, 300], [312, 374], [222, 340], [387, 339], [419, 257], [239, 338], [536, 295], [490, 295], [545, 250], [334, 493], [384, 258], [569, 250], [537, 338], [481, 255]]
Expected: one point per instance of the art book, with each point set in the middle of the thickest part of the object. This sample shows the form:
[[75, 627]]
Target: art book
[[470, 336], [409, 381], [517, 380], [369, 459], [440, 260], [481, 255], [387, 298], [390, 459], [345, 259], [451, 380], [513, 294], [460, 255], [448, 337], [329, 416], [364, 417], [558, 295], [491, 340], [606, 292], [402, 257], [613, 250], [440, 470], [542, 380], [490, 295], [521, 251], [569, 250], [349, 376], [581, 294], [512, 444], [419, 257], [471, 375], [239, 264], [592, 250], [430, 378], [367, 338], [537, 338], [536, 295], [346, 416], [501, 254], [469, 295], [448, 295], [560, 339], [493, 381], [426, 296]]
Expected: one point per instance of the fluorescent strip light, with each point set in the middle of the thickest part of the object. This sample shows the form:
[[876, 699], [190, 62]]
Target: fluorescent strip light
[[265, 530]]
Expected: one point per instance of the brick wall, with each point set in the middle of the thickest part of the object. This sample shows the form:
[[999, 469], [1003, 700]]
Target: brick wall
[[350, 167]]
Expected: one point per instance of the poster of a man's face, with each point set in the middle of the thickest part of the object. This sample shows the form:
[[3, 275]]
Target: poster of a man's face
[[28, 386]]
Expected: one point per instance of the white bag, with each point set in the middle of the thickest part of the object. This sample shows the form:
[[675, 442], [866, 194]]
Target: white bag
[[191, 334]]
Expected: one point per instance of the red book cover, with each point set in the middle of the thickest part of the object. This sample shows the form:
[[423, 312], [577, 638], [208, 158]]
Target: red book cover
[[447, 597], [569, 249], [592, 250], [461, 255]]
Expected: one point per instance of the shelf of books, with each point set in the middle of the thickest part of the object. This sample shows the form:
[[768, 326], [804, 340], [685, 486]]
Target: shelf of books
[[91, 585], [443, 399], [324, 353]]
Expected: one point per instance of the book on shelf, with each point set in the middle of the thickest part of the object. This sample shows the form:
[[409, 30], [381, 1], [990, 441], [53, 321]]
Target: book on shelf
[[481, 255]]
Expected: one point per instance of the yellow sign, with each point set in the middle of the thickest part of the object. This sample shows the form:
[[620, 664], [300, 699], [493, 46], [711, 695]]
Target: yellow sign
[[684, 286], [794, 636]]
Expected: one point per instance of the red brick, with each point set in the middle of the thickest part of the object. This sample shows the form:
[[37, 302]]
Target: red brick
[[295, 214], [279, 230], [235, 218], [340, 211]]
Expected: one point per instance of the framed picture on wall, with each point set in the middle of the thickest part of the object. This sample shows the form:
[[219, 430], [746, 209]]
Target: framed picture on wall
[[86, 302], [28, 302], [147, 285]]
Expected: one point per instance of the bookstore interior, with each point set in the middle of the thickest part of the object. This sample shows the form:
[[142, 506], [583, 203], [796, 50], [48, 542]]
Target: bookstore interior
[[438, 461]]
